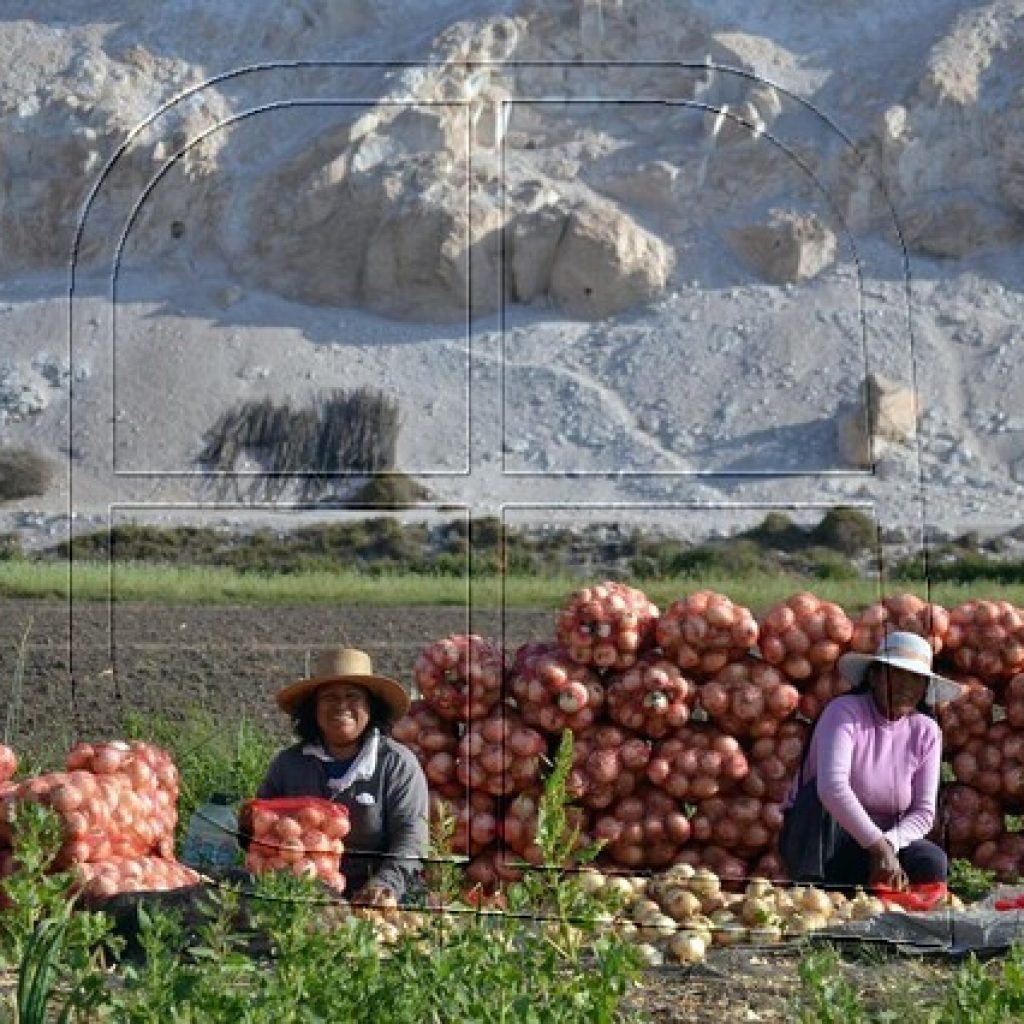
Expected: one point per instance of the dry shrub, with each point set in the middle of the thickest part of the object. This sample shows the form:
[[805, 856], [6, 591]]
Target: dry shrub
[[340, 433], [24, 473]]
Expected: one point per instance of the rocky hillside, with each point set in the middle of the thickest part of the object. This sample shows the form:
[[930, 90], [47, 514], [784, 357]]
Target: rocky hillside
[[690, 260]]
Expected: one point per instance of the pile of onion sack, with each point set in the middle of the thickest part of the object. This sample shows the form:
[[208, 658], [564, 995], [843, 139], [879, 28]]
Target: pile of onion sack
[[689, 724], [117, 807]]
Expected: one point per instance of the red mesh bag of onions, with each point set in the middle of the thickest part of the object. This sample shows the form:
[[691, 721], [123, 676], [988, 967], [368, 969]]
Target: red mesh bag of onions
[[606, 625], [994, 764], [500, 754], [646, 829], [8, 763], [303, 835], [804, 635], [1004, 855], [822, 689], [744, 825], [966, 818], [461, 677], [705, 631], [607, 764], [697, 762], [968, 717], [774, 762], [749, 699], [653, 697], [435, 742], [552, 692], [986, 639], [520, 827], [899, 612], [118, 875], [474, 818]]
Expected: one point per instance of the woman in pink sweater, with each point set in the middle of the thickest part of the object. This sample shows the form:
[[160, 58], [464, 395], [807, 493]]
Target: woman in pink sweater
[[873, 766]]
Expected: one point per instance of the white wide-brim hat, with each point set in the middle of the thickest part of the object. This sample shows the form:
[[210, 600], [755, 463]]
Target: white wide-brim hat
[[907, 651]]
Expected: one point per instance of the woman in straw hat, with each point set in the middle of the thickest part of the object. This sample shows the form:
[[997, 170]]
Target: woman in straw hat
[[865, 797], [342, 714]]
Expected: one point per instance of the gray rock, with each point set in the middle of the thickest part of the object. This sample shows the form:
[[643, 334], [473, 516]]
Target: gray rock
[[790, 247]]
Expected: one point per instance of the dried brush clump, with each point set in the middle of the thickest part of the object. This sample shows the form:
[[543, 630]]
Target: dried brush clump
[[23, 474], [341, 433]]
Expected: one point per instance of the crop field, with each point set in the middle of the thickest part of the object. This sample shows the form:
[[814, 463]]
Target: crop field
[[198, 679]]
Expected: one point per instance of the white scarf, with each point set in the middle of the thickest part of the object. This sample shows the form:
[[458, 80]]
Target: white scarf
[[362, 768]]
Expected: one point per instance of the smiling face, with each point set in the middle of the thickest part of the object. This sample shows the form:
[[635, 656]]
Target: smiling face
[[897, 692], [342, 715]]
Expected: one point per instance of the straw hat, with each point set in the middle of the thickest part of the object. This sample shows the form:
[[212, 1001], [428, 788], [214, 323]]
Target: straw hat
[[907, 651], [345, 665]]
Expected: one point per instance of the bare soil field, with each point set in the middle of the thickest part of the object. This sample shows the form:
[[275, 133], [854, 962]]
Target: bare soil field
[[87, 666]]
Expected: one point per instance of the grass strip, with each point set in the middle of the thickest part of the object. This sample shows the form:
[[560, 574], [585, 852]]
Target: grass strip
[[202, 585]]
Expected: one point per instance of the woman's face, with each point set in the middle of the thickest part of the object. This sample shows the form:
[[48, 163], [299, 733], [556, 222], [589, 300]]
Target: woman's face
[[342, 714], [897, 692]]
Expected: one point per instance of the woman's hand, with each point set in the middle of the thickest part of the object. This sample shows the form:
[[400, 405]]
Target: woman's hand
[[374, 895], [886, 868]]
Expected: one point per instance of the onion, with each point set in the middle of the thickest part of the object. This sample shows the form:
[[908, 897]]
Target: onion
[[967, 717], [500, 754], [653, 697], [986, 639], [899, 612], [687, 948], [553, 692], [704, 632], [461, 677], [804, 636], [606, 626], [697, 762], [435, 742], [749, 699]]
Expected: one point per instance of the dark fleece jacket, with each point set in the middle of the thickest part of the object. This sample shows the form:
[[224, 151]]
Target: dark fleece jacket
[[388, 812]]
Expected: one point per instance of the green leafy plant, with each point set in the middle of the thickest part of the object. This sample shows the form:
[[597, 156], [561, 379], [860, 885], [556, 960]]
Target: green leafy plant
[[970, 883], [987, 994], [826, 997]]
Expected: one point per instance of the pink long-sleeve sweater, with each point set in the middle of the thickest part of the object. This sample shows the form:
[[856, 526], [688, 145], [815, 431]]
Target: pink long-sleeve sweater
[[876, 777]]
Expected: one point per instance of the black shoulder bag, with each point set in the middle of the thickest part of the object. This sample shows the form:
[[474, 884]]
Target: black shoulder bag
[[809, 835]]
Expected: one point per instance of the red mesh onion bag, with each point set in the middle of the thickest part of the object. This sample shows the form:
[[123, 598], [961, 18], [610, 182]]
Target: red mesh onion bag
[[461, 677], [704, 632], [653, 697], [804, 635], [552, 692], [606, 626]]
